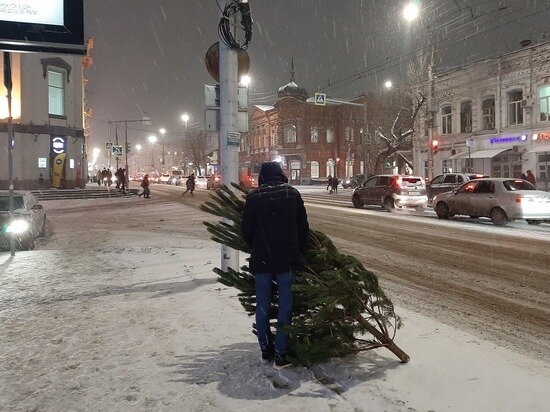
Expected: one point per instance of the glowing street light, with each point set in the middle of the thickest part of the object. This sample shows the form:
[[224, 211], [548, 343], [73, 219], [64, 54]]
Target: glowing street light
[[411, 12], [152, 139], [185, 118], [138, 147], [246, 80], [96, 151], [388, 84]]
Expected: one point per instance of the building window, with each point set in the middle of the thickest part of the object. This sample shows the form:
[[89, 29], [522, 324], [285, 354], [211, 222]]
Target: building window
[[544, 166], [290, 134], [330, 168], [466, 117], [515, 111], [349, 134], [56, 93], [330, 136], [544, 96], [314, 134], [314, 170], [447, 120], [488, 113]]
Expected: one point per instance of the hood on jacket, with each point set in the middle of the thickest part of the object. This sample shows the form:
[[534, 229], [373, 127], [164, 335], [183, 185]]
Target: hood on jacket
[[271, 172]]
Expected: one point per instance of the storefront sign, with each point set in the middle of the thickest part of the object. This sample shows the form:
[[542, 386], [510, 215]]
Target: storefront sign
[[541, 136], [508, 139], [58, 145]]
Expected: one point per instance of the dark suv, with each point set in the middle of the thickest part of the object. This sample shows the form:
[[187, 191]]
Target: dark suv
[[448, 182], [391, 191]]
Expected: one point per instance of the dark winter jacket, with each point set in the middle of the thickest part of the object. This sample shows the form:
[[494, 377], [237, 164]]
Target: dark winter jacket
[[274, 224]]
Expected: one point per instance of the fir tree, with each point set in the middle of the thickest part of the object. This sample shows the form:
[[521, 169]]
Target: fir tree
[[339, 307]]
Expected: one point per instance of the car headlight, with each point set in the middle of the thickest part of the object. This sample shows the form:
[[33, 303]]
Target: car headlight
[[18, 227]]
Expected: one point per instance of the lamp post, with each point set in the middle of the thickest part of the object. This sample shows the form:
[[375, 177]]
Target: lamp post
[[185, 118], [152, 139], [411, 12], [162, 133], [138, 148]]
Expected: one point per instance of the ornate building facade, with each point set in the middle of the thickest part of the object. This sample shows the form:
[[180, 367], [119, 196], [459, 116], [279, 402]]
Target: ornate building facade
[[492, 117]]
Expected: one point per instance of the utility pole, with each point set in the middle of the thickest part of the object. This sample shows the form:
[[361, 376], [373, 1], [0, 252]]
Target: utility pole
[[126, 149], [116, 140], [365, 150], [9, 86], [228, 125], [432, 116]]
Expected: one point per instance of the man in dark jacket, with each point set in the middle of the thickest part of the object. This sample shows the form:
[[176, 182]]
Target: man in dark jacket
[[275, 228]]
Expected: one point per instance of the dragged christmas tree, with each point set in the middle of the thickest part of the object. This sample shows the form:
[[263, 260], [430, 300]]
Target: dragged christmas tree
[[339, 307]]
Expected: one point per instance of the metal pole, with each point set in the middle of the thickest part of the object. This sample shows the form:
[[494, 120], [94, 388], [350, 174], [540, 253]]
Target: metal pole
[[469, 158], [546, 170], [116, 138], [365, 151], [9, 85], [229, 155], [126, 147], [430, 100]]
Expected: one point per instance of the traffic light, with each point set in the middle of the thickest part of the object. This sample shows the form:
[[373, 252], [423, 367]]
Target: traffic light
[[435, 146], [128, 149]]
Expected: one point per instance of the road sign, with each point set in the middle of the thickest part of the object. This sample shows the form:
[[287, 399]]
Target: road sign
[[233, 140], [109, 145], [320, 99], [470, 142], [117, 150], [146, 120]]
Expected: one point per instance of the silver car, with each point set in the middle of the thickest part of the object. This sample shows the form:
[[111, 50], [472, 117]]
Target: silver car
[[500, 199], [391, 192], [27, 223]]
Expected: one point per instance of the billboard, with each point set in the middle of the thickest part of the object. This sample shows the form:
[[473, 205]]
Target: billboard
[[55, 26]]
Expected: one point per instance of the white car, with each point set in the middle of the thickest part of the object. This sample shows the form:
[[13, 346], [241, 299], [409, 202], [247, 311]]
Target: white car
[[500, 199], [201, 181], [164, 178], [27, 223]]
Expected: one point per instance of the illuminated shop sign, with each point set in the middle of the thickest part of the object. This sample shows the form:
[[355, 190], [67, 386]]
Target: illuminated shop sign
[[32, 11], [541, 136], [508, 139], [59, 145]]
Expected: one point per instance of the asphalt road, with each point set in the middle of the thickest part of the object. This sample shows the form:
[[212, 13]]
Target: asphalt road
[[489, 281]]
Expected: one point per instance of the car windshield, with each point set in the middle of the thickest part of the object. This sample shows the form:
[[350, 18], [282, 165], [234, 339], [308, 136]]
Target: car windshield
[[411, 181], [18, 203], [518, 184]]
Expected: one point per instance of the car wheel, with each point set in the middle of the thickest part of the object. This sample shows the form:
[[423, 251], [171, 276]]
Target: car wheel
[[389, 205], [420, 208], [357, 202], [534, 222], [498, 217], [442, 211]]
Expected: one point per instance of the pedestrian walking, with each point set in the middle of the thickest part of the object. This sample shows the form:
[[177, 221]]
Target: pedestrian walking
[[329, 183], [190, 184], [122, 177], [117, 176], [145, 185], [104, 177], [531, 177], [335, 182], [276, 229]]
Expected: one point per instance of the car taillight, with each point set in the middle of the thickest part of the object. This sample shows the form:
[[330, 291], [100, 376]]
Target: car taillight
[[396, 183], [524, 199]]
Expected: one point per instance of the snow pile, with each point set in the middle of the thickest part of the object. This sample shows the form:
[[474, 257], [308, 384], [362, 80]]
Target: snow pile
[[118, 309]]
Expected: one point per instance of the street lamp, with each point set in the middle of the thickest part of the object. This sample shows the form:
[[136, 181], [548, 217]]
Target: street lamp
[[152, 139], [163, 132], [388, 84], [246, 80], [185, 118], [411, 12]]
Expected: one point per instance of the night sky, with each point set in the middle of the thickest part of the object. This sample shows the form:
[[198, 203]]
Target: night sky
[[149, 55]]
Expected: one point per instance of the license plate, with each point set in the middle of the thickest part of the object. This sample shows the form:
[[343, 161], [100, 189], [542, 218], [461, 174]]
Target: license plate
[[414, 193]]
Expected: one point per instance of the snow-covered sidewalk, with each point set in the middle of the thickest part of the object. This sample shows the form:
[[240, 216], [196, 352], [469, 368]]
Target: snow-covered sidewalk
[[118, 309]]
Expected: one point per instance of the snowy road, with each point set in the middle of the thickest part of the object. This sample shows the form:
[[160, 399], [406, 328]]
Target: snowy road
[[118, 309]]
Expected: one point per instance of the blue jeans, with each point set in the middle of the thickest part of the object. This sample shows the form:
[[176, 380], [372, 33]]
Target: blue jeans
[[263, 284]]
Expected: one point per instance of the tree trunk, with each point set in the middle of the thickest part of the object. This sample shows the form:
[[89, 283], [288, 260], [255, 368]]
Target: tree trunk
[[386, 341]]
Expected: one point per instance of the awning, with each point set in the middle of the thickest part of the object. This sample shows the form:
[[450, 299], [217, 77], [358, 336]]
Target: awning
[[487, 154], [539, 149], [458, 156]]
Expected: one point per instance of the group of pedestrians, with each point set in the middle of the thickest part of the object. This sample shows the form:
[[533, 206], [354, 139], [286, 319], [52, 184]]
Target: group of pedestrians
[[189, 184], [104, 177], [530, 177], [332, 184]]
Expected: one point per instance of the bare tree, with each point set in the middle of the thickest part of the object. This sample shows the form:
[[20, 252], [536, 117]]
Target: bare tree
[[198, 145]]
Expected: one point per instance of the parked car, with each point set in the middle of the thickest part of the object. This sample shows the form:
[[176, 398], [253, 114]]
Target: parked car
[[200, 181], [213, 182], [247, 181], [174, 180], [391, 192], [164, 178], [447, 182], [500, 199], [28, 222]]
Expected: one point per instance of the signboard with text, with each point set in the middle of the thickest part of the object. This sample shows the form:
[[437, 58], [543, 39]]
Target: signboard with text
[[42, 26]]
